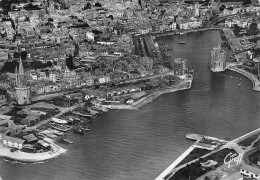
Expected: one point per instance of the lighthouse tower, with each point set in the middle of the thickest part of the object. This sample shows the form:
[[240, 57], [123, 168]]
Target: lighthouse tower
[[22, 91]]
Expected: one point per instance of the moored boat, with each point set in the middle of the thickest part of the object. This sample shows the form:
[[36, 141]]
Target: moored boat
[[59, 127], [65, 141], [56, 132], [85, 128], [182, 42], [60, 121]]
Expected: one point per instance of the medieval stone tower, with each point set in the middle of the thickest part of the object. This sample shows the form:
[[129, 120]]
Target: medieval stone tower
[[196, 9], [22, 91]]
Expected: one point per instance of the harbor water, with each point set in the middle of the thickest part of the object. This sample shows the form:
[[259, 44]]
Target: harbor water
[[140, 144]]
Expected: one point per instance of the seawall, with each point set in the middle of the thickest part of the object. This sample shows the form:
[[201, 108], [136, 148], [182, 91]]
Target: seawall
[[252, 77], [175, 32], [151, 97]]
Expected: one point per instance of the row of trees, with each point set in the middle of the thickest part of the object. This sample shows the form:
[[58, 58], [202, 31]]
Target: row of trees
[[10, 66], [252, 30]]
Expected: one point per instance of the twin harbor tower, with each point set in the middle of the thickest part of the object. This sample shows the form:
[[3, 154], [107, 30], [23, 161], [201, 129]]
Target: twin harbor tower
[[218, 59]]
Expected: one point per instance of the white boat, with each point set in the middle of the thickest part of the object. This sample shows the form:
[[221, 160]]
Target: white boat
[[182, 42], [49, 134], [86, 129], [56, 132], [59, 127], [60, 121]]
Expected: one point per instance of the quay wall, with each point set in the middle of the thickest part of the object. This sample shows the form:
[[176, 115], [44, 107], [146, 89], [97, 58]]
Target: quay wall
[[119, 106], [252, 77], [143, 101], [151, 97], [175, 32]]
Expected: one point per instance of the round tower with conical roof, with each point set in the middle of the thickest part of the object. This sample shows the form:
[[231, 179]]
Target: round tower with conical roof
[[22, 91]]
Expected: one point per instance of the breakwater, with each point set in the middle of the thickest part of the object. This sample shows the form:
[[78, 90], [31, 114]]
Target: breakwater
[[252, 77]]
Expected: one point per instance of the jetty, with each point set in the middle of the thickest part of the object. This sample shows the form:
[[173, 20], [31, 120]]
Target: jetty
[[198, 137]]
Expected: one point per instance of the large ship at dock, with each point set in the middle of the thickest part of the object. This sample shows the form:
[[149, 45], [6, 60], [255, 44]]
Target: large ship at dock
[[218, 59]]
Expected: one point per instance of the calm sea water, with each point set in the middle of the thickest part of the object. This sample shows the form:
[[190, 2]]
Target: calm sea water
[[130, 145]]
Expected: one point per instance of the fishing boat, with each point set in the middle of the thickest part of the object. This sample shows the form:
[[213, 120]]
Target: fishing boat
[[85, 128], [56, 132], [59, 127], [49, 134], [65, 141], [182, 42], [60, 121]]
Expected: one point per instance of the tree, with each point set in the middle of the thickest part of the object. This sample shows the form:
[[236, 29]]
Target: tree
[[16, 55], [88, 6], [252, 30], [69, 62], [236, 30], [221, 8], [9, 67], [98, 4], [23, 55], [246, 2], [49, 64]]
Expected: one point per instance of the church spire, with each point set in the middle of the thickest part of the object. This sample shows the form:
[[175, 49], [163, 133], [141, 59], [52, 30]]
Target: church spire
[[21, 70], [16, 76]]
